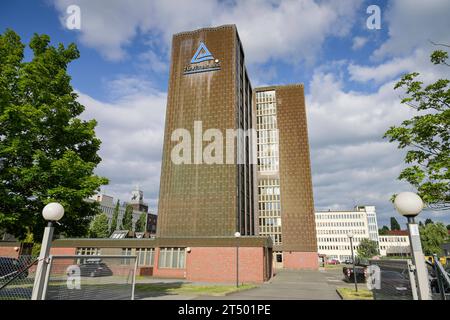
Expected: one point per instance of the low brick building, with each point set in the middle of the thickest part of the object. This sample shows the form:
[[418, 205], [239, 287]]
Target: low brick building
[[208, 259]]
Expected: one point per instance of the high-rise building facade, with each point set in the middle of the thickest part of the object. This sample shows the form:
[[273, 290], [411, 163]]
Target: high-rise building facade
[[209, 89], [263, 188], [285, 197]]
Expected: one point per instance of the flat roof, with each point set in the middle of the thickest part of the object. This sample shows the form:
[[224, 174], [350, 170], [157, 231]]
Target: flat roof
[[253, 241]]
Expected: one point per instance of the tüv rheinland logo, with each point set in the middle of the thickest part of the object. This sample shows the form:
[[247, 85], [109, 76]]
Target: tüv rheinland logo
[[202, 61]]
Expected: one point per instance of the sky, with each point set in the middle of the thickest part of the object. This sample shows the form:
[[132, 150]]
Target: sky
[[349, 71]]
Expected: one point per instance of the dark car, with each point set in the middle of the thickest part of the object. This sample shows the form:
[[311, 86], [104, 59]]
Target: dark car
[[360, 273], [10, 267], [95, 269]]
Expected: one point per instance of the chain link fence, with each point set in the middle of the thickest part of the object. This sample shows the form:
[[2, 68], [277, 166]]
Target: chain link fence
[[395, 280], [75, 277], [17, 277], [91, 278]]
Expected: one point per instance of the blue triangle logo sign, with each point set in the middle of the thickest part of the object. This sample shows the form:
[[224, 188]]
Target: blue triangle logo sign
[[202, 54]]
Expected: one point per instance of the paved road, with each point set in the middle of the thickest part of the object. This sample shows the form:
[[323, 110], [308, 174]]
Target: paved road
[[297, 285]]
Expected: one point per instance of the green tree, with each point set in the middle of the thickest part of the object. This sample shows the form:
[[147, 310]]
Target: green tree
[[140, 224], [115, 217], [383, 231], [127, 220], [432, 236], [428, 220], [98, 227], [448, 227], [367, 248], [394, 224], [47, 153], [426, 136]]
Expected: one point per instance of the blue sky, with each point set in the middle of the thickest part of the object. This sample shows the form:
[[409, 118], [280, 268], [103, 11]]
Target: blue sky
[[348, 71]]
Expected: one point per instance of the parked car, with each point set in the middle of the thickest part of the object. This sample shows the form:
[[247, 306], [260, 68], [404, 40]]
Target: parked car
[[9, 267], [348, 261], [333, 261], [95, 269], [361, 273]]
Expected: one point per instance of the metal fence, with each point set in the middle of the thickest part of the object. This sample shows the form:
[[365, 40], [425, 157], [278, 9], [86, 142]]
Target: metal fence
[[440, 283], [91, 278], [77, 277], [17, 277], [396, 280]]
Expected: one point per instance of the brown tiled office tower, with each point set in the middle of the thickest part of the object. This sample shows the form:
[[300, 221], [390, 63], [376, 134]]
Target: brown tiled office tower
[[284, 175], [208, 82]]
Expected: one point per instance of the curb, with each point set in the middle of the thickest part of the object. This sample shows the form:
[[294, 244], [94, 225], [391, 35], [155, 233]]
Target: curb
[[339, 294]]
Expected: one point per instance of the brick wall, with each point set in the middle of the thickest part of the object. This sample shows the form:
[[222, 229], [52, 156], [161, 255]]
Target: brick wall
[[9, 252], [300, 260], [219, 264]]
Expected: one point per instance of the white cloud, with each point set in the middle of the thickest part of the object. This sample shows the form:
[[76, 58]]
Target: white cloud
[[351, 162], [131, 131], [412, 23], [287, 30], [359, 42], [418, 61]]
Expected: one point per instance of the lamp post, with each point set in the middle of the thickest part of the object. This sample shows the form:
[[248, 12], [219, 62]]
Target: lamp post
[[350, 236], [51, 212], [409, 205], [237, 235]]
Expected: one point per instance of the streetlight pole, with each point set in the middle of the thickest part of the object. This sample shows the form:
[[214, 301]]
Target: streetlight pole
[[409, 205], [237, 235], [350, 235], [51, 212]]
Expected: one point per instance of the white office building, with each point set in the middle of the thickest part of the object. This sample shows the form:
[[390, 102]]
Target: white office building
[[395, 244], [333, 227]]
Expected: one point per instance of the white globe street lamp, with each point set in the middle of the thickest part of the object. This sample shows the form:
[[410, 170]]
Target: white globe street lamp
[[51, 212], [409, 205]]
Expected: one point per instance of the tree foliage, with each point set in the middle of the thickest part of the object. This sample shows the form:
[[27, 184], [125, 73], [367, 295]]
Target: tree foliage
[[394, 224], [140, 224], [115, 217], [367, 248], [127, 220], [426, 136], [383, 231], [99, 227], [432, 236], [47, 153]]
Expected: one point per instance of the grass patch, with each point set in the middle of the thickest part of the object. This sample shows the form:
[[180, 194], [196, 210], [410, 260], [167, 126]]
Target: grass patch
[[351, 294], [189, 289]]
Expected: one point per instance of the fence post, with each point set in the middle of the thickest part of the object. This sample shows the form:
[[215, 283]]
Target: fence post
[[134, 278], [412, 279]]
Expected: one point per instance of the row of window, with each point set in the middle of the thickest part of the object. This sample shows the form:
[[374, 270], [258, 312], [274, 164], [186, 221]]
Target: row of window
[[340, 231], [341, 224], [335, 216], [174, 258], [346, 239], [267, 136], [393, 239], [265, 96], [337, 247]]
